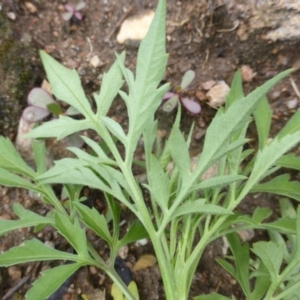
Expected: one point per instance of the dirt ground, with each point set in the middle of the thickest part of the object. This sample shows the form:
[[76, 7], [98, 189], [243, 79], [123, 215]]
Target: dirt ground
[[212, 38]]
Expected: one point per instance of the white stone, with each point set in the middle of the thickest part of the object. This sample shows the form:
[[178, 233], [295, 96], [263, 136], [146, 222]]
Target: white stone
[[136, 27]]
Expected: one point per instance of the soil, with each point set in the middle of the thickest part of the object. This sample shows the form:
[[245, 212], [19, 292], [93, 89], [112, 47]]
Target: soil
[[210, 37]]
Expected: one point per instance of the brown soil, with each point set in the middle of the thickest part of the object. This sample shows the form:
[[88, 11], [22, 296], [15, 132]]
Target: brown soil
[[201, 36]]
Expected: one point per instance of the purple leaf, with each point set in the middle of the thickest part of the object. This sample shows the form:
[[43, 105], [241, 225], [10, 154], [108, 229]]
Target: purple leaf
[[39, 97], [78, 15], [187, 78], [191, 105], [168, 95], [80, 6], [170, 104], [33, 114], [70, 8], [67, 16]]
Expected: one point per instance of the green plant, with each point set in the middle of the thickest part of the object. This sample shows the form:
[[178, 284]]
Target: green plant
[[182, 206]]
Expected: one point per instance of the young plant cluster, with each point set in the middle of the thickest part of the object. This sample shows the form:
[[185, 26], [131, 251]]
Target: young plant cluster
[[183, 206]]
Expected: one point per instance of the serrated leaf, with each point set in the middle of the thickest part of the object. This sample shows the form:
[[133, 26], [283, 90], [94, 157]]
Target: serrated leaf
[[60, 128], [51, 280], [111, 84], [33, 250], [236, 89], [135, 232], [267, 157], [271, 256], [39, 150], [224, 125], [115, 128], [11, 160], [284, 225], [28, 219], [144, 95], [263, 118], [94, 220], [180, 153], [280, 185], [9, 179], [158, 183], [290, 161], [66, 85], [68, 230], [292, 126], [217, 181], [242, 258], [199, 207]]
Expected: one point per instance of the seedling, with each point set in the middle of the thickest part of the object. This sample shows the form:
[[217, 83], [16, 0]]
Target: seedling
[[73, 12], [186, 211], [41, 104], [172, 98]]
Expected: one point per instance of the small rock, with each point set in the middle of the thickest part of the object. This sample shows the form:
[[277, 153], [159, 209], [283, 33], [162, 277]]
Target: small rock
[[31, 8], [217, 94], [11, 15], [123, 252], [96, 62], [207, 85], [14, 273], [247, 73], [293, 103], [136, 27], [200, 95], [243, 32]]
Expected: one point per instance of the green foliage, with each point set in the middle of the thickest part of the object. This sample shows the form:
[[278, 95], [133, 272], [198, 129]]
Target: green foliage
[[185, 203]]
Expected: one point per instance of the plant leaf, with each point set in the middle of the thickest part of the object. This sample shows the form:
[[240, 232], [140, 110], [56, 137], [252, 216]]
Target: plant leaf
[[191, 105], [224, 125], [33, 250], [9, 179], [28, 219], [158, 183], [171, 103], [271, 256], [280, 185], [55, 108], [213, 296], [111, 84], [66, 85], [67, 229], [135, 233], [263, 118], [51, 280], [236, 89], [187, 78], [289, 161], [60, 128], [217, 181], [39, 97], [115, 128], [96, 221], [199, 207], [11, 160]]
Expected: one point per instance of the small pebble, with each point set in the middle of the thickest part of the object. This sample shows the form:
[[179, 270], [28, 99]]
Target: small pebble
[[96, 62], [135, 28], [247, 73], [217, 94], [14, 272], [293, 103], [11, 15], [31, 8]]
